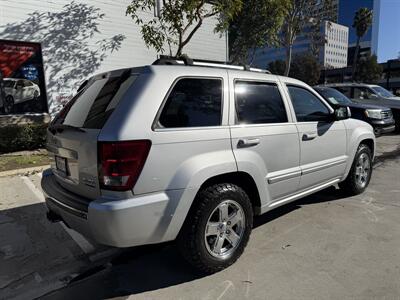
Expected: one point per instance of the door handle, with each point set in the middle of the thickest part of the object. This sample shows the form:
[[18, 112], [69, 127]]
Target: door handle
[[243, 143], [309, 136]]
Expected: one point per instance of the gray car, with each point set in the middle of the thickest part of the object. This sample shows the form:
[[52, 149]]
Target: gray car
[[191, 152], [371, 94]]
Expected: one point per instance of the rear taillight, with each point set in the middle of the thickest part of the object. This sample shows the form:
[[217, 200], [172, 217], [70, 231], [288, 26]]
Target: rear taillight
[[120, 163]]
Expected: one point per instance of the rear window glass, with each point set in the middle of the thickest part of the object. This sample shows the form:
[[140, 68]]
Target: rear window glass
[[94, 104], [193, 102], [8, 83]]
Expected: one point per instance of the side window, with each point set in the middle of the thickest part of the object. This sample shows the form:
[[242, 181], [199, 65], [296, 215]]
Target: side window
[[259, 103], [361, 93], [27, 83], [20, 83], [344, 90], [193, 102], [307, 106]]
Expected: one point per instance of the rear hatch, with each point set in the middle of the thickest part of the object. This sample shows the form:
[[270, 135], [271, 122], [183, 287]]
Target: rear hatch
[[72, 136]]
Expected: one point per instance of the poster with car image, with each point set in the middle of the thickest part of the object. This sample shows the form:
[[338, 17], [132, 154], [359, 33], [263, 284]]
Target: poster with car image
[[22, 86]]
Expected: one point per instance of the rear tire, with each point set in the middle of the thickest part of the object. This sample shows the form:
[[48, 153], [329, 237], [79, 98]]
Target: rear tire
[[217, 228], [360, 173], [8, 104]]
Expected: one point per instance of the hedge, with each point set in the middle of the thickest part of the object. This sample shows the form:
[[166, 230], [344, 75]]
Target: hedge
[[22, 137]]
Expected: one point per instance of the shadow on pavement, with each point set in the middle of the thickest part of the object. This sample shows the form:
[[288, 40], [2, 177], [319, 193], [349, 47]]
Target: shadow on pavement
[[33, 252], [150, 268]]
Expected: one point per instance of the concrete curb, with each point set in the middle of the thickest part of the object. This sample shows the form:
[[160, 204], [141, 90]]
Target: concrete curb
[[24, 171]]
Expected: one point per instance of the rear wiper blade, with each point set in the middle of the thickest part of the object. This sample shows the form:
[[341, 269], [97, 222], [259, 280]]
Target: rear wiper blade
[[61, 127]]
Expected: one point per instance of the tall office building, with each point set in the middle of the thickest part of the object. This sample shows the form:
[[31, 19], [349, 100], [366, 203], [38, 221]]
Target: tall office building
[[385, 39], [333, 54], [346, 12]]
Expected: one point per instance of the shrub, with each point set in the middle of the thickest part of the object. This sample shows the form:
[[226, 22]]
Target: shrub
[[22, 137]]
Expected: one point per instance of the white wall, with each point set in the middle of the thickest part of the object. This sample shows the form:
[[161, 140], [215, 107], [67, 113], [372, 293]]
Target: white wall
[[76, 39]]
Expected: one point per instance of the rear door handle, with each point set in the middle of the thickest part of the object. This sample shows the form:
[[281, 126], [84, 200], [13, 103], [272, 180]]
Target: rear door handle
[[309, 136], [243, 143]]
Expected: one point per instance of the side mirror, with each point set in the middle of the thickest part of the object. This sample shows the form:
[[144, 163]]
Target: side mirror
[[342, 113]]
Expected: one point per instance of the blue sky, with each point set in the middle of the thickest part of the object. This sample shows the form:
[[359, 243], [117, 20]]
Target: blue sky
[[389, 30]]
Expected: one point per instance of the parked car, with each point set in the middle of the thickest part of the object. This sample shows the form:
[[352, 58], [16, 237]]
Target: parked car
[[380, 118], [18, 91], [371, 94], [191, 153]]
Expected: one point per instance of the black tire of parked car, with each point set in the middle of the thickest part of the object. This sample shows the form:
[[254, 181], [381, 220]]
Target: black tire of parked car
[[191, 239], [397, 130], [350, 185], [8, 105], [377, 132]]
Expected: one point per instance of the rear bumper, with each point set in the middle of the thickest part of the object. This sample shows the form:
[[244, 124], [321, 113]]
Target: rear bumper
[[130, 222]]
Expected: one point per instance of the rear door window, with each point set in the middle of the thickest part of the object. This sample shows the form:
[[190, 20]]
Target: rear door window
[[344, 90], [259, 103], [193, 102], [94, 104]]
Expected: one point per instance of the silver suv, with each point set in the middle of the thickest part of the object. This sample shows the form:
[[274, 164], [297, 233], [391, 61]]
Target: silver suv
[[191, 153]]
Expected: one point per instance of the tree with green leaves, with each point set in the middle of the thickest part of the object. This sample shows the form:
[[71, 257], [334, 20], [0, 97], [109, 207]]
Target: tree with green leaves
[[256, 26], [362, 22], [296, 17], [304, 16], [178, 20], [305, 67], [277, 67], [324, 11], [369, 70]]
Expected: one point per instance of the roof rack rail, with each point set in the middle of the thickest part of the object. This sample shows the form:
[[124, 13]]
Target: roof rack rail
[[169, 60]]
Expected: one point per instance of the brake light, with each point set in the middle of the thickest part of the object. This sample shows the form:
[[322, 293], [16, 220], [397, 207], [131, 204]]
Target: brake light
[[120, 163]]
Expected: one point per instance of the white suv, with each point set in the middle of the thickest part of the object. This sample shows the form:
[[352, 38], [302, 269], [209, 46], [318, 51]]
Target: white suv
[[192, 153], [18, 91]]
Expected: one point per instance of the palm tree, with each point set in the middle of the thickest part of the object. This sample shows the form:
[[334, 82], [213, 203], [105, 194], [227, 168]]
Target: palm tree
[[362, 22]]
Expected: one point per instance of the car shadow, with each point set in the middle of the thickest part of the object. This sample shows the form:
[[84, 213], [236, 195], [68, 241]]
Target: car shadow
[[149, 268]]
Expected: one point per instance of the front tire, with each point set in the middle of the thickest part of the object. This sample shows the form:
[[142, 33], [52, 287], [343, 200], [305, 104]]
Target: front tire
[[377, 132], [217, 228], [360, 173]]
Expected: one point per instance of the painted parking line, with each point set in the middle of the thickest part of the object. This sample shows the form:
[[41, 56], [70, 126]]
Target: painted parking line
[[83, 243], [33, 188]]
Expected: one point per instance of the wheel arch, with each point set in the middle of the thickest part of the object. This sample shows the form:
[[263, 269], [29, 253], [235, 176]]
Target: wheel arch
[[241, 179], [366, 139]]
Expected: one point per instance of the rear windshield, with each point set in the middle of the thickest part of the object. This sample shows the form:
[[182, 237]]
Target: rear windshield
[[8, 83], [94, 104]]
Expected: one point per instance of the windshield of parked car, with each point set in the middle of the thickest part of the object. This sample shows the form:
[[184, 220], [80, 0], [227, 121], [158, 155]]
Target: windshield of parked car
[[382, 91], [9, 83], [333, 96]]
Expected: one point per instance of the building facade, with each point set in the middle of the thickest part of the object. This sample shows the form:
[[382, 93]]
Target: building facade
[[49, 47], [334, 52], [385, 40]]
